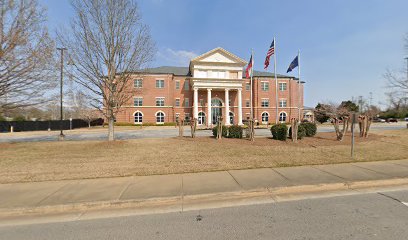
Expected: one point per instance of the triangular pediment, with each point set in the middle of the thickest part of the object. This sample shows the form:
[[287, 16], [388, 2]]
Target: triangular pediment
[[219, 55]]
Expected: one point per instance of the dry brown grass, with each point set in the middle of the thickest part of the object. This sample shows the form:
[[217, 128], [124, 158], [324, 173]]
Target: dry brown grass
[[23, 162]]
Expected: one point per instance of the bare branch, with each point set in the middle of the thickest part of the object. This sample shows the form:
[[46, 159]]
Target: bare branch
[[26, 55], [107, 43]]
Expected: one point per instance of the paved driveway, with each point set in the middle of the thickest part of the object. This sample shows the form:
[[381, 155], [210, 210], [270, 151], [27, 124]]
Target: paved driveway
[[149, 132]]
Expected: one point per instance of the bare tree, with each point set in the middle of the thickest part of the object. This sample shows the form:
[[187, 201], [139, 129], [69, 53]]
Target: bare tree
[[397, 83], [26, 54], [80, 107], [108, 44]]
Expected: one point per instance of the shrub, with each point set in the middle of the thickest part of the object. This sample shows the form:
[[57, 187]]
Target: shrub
[[235, 131], [310, 128], [224, 131], [279, 131], [301, 132]]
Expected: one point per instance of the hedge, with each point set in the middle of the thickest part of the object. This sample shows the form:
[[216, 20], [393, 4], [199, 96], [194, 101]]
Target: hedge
[[279, 131], [235, 131], [224, 131], [301, 132], [310, 128]]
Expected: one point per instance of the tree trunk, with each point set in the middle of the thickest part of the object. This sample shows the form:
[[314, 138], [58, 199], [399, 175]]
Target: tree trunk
[[111, 135]]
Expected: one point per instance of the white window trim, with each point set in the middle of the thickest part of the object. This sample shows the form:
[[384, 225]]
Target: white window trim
[[134, 101], [138, 123], [283, 99], [141, 80], [280, 87], [160, 80], [175, 100], [205, 117], [267, 100], [263, 122], [164, 116], [164, 99], [285, 117], [263, 85]]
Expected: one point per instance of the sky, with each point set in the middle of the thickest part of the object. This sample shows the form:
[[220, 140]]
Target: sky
[[345, 45]]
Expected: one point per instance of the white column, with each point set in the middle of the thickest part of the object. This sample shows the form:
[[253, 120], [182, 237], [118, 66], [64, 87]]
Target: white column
[[195, 111], [240, 106], [209, 118], [227, 107]]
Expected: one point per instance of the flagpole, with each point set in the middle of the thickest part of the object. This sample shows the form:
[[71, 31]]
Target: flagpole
[[276, 83], [299, 92], [252, 73]]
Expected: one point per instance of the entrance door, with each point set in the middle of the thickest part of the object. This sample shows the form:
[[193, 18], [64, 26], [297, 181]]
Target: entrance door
[[216, 109]]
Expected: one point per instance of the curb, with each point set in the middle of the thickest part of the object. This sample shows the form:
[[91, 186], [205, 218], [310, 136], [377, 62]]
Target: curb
[[214, 200]]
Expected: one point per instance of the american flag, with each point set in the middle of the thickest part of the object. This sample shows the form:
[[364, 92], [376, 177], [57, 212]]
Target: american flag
[[270, 52]]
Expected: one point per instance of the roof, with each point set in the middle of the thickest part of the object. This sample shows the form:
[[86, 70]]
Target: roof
[[179, 71], [220, 49], [185, 71], [269, 74]]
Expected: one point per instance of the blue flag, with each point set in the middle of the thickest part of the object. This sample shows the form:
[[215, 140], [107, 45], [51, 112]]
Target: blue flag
[[293, 64]]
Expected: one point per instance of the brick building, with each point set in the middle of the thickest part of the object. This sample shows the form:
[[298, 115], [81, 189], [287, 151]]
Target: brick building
[[164, 94]]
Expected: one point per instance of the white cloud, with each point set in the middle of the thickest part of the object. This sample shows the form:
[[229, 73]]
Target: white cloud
[[176, 57]]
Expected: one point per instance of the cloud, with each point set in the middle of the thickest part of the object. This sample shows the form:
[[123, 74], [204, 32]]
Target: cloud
[[176, 57]]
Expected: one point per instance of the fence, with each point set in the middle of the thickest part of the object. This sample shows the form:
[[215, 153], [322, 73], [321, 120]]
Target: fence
[[22, 126]]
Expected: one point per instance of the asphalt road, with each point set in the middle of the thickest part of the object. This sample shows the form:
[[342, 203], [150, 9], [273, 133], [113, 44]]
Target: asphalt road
[[364, 216], [148, 133]]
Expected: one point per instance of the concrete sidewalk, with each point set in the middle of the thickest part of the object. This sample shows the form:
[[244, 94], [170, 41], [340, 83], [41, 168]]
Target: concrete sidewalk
[[178, 190]]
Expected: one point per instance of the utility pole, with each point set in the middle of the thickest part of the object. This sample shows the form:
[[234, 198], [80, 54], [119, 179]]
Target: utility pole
[[360, 104], [61, 136], [407, 66]]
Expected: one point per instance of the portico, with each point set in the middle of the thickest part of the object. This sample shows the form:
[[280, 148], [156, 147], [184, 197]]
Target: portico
[[215, 106], [217, 71]]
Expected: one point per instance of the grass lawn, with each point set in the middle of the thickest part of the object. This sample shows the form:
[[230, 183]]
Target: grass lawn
[[41, 161]]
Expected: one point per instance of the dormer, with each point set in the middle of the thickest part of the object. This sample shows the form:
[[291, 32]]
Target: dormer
[[217, 64]]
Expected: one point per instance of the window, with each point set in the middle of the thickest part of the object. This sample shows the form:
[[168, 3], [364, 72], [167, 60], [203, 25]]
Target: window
[[160, 83], [186, 85], [265, 102], [177, 84], [159, 117], [177, 103], [233, 75], [282, 117], [265, 86], [160, 101], [186, 102], [282, 103], [187, 116], [201, 102], [247, 103], [138, 117], [247, 86], [138, 83], [231, 116], [138, 101], [201, 118], [265, 117], [217, 74], [282, 86], [201, 74]]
